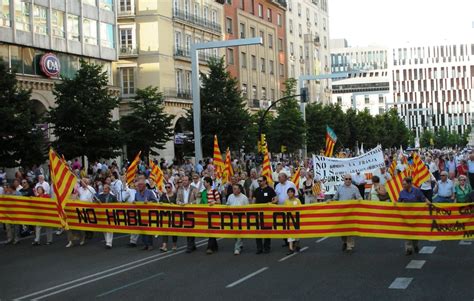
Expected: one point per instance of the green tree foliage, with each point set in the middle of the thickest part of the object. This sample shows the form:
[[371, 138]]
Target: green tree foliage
[[82, 120], [426, 137], [354, 127], [147, 127], [288, 128], [251, 142], [22, 143], [223, 110]]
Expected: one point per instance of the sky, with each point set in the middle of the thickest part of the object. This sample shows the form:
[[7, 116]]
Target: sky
[[401, 22]]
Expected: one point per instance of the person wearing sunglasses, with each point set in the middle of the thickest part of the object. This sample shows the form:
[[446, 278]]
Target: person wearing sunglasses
[[462, 189], [445, 189], [168, 197], [347, 192]]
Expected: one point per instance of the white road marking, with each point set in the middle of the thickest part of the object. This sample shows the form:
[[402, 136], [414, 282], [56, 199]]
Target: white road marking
[[427, 250], [400, 283], [128, 285], [132, 263], [291, 255], [465, 243], [415, 264], [321, 239], [246, 277]]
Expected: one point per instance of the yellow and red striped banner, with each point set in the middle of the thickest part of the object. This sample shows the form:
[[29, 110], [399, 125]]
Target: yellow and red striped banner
[[217, 159], [345, 218], [296, 178], [421, 173], [156, 175]]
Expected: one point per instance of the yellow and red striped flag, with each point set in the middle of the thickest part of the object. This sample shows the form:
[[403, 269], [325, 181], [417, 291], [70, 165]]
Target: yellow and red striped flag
[[217, 159], [63, 182], [331, 139], [394, 185], [421, 173], [393, 167], [156, 175], [132, 169], [267, 169], [296, 178], [317, 188], [228, 171]]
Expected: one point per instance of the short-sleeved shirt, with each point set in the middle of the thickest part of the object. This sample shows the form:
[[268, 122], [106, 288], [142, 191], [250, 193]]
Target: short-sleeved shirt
[[413, 196], [264, 195], [146, 196], [445, 189], [282, 189]]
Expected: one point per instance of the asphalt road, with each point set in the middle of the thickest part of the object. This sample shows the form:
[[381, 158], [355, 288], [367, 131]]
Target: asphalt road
[[377, 270]]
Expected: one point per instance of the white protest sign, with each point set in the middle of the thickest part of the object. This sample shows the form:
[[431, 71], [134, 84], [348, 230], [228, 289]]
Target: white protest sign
[[332, 170]]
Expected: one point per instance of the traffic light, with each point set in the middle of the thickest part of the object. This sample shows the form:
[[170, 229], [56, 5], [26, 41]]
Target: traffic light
[[304, 95]]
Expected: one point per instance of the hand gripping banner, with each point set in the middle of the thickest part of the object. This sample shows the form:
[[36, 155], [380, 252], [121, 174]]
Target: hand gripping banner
[[345, 218]]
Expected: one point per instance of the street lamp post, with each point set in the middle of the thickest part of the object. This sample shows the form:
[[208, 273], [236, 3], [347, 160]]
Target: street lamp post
[[301, 80], [196, 84]]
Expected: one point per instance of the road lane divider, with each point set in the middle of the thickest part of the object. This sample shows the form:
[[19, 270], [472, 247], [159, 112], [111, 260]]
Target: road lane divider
[[246, 277]]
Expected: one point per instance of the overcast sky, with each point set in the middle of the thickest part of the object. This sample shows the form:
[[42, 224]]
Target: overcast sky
[[398, 22]]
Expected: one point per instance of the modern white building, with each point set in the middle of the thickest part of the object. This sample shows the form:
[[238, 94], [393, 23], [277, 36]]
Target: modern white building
[[432, 86], [363, 90], [367, 86], [307, 35]]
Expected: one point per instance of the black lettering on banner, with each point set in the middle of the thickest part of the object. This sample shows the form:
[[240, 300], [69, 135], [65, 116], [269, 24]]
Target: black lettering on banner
[[239, 216], [189, 222], [277, 223], [439, 211], [154, 218], [85, 216], [177, 216], [139, 217], [457, 226], [164, 213], [255, 217], [210, 215], [295, 220], [110, 216], [230, 223], [131, 217], [121, 217], [262, 222], [468, 234], [467, 210]]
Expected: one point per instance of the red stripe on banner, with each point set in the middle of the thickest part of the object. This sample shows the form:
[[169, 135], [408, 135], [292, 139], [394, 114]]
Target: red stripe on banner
[[66, 190], [26, 213], [46, 203], [29, 207], [31, 220]]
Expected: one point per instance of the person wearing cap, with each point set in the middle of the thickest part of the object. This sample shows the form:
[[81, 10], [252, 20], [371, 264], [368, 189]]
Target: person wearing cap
[[445, 189], [346, 192]]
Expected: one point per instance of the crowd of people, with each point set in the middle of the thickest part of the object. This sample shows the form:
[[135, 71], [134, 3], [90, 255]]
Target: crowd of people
[[451, 180]]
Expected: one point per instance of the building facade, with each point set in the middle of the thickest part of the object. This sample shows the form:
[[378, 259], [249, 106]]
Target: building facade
[[368, 84], [155, 39], [42, 40], [432, 86], [308, 46], [261, 69]]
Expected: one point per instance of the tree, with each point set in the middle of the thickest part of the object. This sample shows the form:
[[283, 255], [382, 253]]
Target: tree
[[426, 137], [22, 143], [251, 142], [223, 110], [288, 128], [148, 127], [82, 120]]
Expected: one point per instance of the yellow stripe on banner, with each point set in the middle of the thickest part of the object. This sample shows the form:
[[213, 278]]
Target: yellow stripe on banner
[[357, 218]]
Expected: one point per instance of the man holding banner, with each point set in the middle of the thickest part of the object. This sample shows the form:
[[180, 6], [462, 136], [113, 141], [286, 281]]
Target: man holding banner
[[346, 192]]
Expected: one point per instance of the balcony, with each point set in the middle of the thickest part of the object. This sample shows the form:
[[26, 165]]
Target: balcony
[[128, 51], [185, 53], [177, 93], [192, 19], [281, 3]]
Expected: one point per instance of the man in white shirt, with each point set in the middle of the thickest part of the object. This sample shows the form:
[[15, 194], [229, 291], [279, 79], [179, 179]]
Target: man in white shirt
[[44, 184], [282, 188], [85, 191], [197, 183], [116, 186], [237, 198]]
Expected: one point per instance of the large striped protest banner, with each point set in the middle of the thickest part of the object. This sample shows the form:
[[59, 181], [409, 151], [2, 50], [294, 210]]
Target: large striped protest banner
[[345, 218]]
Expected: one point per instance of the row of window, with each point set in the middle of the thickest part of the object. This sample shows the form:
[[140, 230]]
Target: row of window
[[254, 93], [308, 16], [253, 62], [185, 7], [59, 21]]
